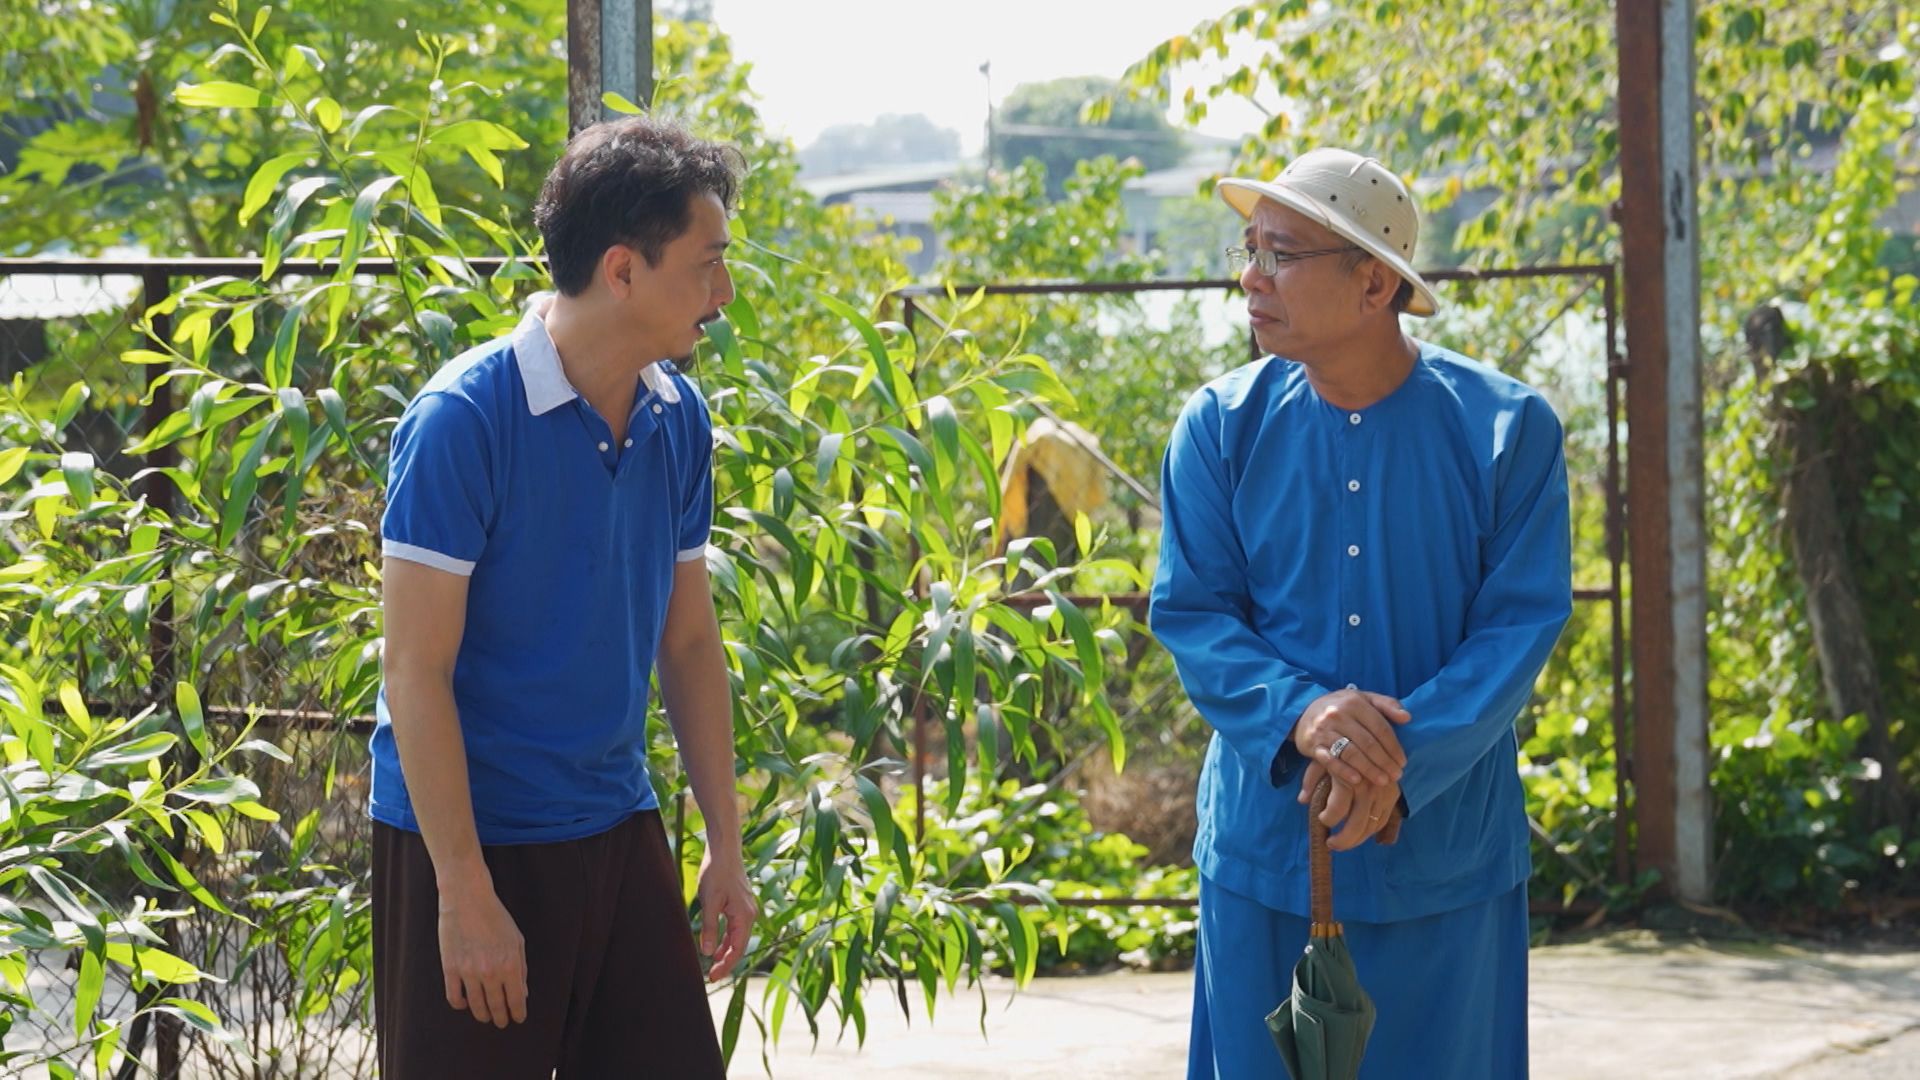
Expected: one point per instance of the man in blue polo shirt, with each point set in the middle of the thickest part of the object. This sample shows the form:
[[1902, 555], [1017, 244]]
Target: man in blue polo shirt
[[548, 505]]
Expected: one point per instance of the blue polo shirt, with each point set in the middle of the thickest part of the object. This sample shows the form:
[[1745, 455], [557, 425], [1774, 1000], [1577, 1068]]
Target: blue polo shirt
[[502, 473]]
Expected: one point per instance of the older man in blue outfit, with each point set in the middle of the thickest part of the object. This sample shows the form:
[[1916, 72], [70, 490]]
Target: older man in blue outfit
[[1366, 561]]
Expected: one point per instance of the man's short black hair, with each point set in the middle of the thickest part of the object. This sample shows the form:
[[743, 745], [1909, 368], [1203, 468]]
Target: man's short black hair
[[629, 181]]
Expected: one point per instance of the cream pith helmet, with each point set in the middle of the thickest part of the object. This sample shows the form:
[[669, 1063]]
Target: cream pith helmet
[[1356, 197]]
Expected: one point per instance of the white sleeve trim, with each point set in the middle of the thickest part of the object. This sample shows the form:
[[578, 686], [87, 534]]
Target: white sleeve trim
[[692, 553], [426, 557]]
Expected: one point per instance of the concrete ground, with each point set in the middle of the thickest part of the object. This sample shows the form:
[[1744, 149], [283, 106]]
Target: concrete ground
[[1628, 1004]]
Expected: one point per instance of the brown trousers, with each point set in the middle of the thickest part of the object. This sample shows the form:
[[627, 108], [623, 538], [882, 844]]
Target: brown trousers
[[613, 982]]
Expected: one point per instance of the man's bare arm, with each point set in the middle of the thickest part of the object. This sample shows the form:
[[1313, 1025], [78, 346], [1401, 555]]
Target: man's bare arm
[[482, 954], [692, 669]]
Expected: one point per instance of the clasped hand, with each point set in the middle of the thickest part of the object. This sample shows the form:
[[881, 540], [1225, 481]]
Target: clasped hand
[[1367, 770]]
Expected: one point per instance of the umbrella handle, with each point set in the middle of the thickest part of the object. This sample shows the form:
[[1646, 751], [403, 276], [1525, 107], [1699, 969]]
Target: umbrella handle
[[1320, 860], [1320, 863]]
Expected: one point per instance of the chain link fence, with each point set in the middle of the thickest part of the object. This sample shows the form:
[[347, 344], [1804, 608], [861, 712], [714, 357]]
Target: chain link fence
[[287, 984]]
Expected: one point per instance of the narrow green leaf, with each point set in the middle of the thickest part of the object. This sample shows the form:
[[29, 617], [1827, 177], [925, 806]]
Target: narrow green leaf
[[138, 604], [186, 701], [946, 427], [730, 1027], [620, 104], [249, 808], [86, 994], [240, 326], [1026, 948], [242, 482], [956, 764], [193, 1013], [823, 458], [186, 880], [988, 474], [76, 708], [56, 890], [11, 460], [209, 828], [1092, 671], [361, 118], [70, 403], [153, 963], [326, 112], [266, 179], [104, 1047], [360, 222], [876, 346], [172, 429], [782, 990], [77, 467], [877, 810], [963, 666], [285, 216], [425, 199], [293, 405], [307, 57], [220, 789], [219, 95], [336, 411], [915, 450], [132, 752]]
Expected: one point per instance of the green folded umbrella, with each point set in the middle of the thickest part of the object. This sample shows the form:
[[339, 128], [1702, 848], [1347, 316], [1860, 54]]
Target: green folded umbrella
[[1322, 1027]]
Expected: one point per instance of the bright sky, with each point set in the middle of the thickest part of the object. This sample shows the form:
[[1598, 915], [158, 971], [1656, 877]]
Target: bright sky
[[826, 62]]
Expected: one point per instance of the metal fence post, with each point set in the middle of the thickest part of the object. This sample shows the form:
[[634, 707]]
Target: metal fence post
[[157, 489]]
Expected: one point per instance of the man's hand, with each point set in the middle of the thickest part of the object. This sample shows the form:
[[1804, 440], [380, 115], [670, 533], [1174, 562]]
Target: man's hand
[[482, 955], [725, 894], [1358, 813], [1371, 755]]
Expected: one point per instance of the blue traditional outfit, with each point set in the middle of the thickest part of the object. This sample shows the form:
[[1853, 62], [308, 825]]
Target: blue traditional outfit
[[1420, 548]]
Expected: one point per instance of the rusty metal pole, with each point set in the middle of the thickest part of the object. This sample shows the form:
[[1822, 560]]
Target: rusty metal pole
[[1660, 225], [1623, 870], [609, 50], [169, 1032]]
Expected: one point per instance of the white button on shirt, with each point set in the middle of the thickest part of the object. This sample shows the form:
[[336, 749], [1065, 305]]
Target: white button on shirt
[[656, 408], [1353, 485], [1353, 549], [629, 442], [1354, 419], [603, 448], [1353, 620]]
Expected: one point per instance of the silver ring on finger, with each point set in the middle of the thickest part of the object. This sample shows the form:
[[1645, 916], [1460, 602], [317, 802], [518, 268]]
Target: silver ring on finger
[[1339, 746]]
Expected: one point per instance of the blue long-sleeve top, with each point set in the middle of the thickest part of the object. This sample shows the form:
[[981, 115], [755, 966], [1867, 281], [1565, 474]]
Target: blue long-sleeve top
[[1421, 548]]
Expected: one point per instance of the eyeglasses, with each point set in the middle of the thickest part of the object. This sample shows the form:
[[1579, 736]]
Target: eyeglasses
[[1269, 262]]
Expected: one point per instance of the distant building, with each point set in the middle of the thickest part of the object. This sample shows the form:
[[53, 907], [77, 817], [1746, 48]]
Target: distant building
[[1166, 213], [899, 198]]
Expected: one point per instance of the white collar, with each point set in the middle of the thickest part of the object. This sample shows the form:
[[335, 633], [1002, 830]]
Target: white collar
[[546, 380]]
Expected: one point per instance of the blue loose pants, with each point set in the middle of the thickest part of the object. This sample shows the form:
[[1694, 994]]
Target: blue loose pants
[[1451, 989]]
